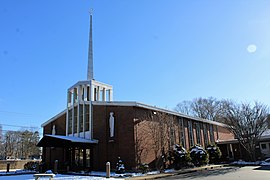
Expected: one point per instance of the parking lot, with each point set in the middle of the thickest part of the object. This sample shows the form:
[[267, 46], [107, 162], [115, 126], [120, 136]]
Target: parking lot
[[225, 173]]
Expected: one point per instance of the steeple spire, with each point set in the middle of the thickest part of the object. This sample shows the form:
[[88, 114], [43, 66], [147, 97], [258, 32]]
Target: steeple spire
[[90, 71]]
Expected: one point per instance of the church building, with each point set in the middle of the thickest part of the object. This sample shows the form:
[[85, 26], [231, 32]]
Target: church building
[[95, 129]]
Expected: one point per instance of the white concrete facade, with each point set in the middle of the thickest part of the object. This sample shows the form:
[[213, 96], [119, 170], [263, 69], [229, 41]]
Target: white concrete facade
[[80, 96]]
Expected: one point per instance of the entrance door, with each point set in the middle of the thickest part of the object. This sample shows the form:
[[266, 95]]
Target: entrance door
[[80, 159]]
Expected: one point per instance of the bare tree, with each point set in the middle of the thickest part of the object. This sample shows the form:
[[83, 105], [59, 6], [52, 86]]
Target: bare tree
[[21, 144], [159, 126], [206, 108], [247, 122], [2, 150], [28, 143], [185, 108], [141, 140]]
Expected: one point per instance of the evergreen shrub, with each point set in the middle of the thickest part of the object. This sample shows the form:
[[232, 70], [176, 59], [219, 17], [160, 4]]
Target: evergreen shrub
[[180, 157], [198, 155], [120, 167], [214, 153]]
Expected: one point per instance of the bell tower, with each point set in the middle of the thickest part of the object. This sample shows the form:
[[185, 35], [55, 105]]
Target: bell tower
[[79, 113]]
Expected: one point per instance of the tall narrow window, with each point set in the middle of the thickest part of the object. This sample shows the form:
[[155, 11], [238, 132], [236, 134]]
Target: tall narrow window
[[69, 121], [95, 94], [82, 93], [88, 93], [88, 157], [69, 98], [78, 157], [75, 119], [190, 130], [182, 132], [172, 135], [81, 118], [86, 110], [198, 133], [211, 133], [205, 135], [75, 95]]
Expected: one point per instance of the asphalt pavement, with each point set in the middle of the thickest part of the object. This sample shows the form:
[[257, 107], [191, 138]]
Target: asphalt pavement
[[227, 173]]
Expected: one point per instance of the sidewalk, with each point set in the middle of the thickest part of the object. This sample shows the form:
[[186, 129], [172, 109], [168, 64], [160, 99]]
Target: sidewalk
[[184, 171], [10, 170]]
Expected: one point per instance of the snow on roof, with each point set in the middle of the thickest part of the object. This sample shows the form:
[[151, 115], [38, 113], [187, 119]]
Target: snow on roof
[[197, 149], [73, 139], [266, 133]]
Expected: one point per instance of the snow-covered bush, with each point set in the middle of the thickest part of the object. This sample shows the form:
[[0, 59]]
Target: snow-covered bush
[[49, 172], [180, 157], [120, 167], [198, 155], [32, 165], [214, 153], [144, 168]]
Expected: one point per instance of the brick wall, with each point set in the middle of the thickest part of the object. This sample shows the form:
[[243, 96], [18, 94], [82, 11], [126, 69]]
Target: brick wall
[[131, 125], [224, 134], [122, 144], [144, 144], [60, 126], [187, 146]]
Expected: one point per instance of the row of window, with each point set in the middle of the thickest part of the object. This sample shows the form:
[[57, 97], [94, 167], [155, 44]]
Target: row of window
[[81, 157], [197, 133], [78, 121]]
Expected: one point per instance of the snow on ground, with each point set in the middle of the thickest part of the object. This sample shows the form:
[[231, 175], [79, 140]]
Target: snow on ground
[[265, 163], [241, 162], [94, 175], [57, 177], [113, 174], [262, 163], [16, 171], [25, 175]]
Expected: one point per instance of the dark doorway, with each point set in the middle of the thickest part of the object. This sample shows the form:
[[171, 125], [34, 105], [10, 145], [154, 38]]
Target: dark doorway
[[81, 159]]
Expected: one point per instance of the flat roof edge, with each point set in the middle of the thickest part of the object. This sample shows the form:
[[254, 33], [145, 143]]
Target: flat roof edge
[[155, 108], [141, 105]]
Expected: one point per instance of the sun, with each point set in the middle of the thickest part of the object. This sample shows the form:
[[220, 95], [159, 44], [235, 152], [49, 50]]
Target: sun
[[252, 48]]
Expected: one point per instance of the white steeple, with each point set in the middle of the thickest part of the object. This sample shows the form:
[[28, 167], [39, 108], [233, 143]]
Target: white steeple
[[79, 117], [90, 71]]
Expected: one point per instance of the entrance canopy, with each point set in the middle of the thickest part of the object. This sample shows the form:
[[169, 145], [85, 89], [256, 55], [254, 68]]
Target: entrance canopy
[[64, 141]]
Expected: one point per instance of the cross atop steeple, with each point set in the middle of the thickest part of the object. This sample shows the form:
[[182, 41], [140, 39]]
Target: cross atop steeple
[[90, 71]]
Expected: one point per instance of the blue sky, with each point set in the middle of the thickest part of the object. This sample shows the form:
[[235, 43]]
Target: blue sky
[[156, 52]]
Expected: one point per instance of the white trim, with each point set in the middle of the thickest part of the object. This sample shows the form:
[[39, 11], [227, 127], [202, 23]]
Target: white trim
[[73, 139], [79, 83], [137, 104], [93, 82], [97, 83], [53, 118]]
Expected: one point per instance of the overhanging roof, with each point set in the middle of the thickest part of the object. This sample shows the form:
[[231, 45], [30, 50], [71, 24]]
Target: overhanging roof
[[64, 141], [229, 141]]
